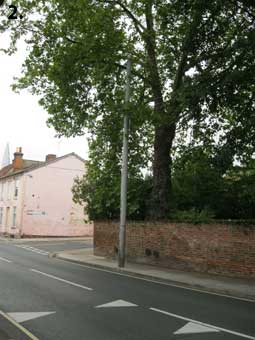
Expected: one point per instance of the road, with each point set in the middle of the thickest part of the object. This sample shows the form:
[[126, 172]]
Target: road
[[82, 303]]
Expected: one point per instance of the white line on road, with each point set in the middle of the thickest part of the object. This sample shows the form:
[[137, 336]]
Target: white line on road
[[35, 250], [59, 279], [203, 324], [17, 325], [38, 250], [5, 260], [31, 248], [49, 244]]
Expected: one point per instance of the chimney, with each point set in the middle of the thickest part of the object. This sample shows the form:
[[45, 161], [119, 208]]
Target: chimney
[[17, 162], [50, 157]]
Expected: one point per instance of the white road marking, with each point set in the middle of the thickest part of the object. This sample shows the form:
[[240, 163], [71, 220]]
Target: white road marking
[[35, 250], [203, 324], [191, 328], [62, 280], [17, 325], [31, 248], [49, 244], [22, 317], [203, 291], [39, 251], [5, 260], [117, 303]]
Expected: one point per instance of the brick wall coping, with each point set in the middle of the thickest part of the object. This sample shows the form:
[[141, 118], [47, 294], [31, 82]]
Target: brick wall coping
[[250, 224]]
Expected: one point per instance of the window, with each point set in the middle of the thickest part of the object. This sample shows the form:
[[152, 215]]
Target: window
[[4, 191], [1, 216], [1, 191], [14, 216], [16, 188], [8, 190]]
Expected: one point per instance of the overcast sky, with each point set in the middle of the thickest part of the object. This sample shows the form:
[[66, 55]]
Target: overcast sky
[[23, 121]]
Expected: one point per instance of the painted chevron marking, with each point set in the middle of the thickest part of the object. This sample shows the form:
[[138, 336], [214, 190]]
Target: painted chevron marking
[[26, 316], [117, 303], [192, 327]]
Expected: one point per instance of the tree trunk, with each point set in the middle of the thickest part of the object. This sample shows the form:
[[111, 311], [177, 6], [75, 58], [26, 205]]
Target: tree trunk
[[164, 136], [164, 133], [165, 122]]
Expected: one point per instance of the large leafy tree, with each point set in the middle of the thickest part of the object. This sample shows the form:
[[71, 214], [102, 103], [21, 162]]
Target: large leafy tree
[[193, 62], [99, 188]]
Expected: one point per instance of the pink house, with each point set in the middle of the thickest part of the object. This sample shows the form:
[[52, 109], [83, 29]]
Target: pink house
[[36, 197]]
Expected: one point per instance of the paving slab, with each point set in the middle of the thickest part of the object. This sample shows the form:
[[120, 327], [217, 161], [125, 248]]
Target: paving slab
[[235, 287]]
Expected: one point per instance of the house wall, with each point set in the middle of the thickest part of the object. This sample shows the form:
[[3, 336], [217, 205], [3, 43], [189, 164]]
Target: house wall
[[48, 206], [226, 249], [8, 201]]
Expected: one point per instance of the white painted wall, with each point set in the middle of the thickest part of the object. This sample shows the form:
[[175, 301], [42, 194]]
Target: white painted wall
[[8, 201], [48, 209]]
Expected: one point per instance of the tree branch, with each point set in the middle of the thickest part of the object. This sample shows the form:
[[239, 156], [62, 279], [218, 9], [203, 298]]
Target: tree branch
[[187, 45], [139, 27], [150, 41], [72, 41]]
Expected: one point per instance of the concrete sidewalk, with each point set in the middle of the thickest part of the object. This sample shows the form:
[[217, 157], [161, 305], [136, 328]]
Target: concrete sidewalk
[[239, 288]]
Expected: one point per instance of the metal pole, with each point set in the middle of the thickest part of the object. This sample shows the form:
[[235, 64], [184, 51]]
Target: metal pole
[[124, 176]]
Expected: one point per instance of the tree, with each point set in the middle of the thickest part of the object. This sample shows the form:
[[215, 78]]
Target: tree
[[193, 60], [197, 183], [238, 196], [99, 188]]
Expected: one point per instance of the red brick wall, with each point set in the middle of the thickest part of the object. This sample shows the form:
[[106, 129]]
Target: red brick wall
[[213, 248]]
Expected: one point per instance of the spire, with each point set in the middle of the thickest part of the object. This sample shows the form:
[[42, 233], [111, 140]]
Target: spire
[[6, 157]]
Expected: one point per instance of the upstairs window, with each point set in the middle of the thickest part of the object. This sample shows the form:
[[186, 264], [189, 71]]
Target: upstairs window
[[16, 188], [1, 191], [9, 190]]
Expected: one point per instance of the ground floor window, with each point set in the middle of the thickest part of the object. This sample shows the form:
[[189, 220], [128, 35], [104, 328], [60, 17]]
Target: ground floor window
[[1, 216], [14, 217]]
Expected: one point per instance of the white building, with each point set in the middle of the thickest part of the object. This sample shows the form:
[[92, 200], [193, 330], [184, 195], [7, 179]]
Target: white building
[[36, 197]]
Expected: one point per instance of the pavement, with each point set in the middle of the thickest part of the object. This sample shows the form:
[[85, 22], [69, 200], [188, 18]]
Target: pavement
[[235, 287], [45, 239]]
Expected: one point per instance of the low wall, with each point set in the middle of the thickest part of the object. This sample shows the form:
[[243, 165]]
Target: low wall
[[226, 249]]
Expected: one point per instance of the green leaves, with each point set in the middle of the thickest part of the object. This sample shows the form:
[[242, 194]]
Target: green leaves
[[193, 67], [204, 189]]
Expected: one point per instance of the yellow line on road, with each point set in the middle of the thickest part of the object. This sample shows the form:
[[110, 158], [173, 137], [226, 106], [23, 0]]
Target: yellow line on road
[[21, 328]]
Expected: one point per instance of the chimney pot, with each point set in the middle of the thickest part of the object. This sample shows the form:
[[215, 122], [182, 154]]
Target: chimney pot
[[50, 157], [17, 162]]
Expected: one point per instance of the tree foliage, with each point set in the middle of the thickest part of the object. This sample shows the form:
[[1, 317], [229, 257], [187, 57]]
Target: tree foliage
[[202, 191], [100, 186], [193, 68], [197, 183]]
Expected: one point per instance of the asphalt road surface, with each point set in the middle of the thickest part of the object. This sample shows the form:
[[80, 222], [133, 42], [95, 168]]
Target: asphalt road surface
[[53, 299], [54, 245]]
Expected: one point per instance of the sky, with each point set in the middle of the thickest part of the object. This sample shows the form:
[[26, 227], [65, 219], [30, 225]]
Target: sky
[[23, 120]]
